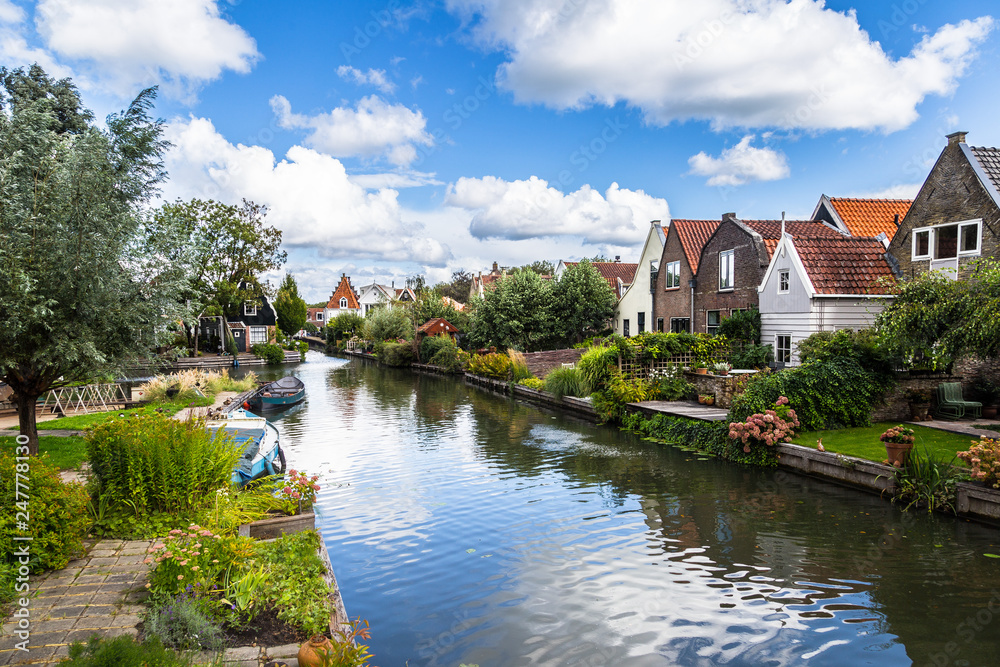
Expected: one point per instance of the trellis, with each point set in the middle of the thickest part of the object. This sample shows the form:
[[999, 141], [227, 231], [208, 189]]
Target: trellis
[[99, 397], [636, 368]]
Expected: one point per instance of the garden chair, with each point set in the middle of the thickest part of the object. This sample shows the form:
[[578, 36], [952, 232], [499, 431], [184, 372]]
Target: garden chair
[[951, 404]]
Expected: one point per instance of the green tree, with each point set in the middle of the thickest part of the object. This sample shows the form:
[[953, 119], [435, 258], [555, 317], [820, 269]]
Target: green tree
[[459, 287], [80, 292], [934, 319], [291, 308], [542, 267], [584, 301], [515, 313], [342, 325], [430, 305], [386, 323]]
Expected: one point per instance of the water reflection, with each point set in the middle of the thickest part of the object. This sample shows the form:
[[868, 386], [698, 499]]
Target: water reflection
[[469, 528]]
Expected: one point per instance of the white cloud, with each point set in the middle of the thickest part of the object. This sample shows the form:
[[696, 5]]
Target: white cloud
[[373, 128], [127, 44], [396, 180], [532, 209], [766, 63], [310, 196], [10, 13], [740, 164], [894, 191], [374, 77]]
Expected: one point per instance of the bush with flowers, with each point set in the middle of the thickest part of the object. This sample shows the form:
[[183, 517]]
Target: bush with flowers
[[899, 435], [298, 493], [769, 427], [196, 558], [984, 461]]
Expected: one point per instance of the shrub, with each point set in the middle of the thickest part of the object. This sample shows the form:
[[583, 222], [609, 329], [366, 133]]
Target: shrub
[[195, 561], [768, 428], [395, 354], [272, 353], [387, 324], [742, 326], [154, 464], [610, 403], [709, 437], [518, 366], [450, 358], [184, 623], [532, 383], [598, 365], [984, 460], [491, 365], [860, 346], [57, 516], [752, 355], [566, 381], [123, 651], [430, 346], [298, 590], [834, 393], [668, 384]]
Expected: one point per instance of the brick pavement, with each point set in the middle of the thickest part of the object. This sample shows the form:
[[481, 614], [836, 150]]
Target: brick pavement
[[99, 593]]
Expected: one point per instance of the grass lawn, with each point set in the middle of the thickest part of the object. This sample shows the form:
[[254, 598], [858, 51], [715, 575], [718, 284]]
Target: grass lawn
[[66, 453], [82, 422], [863, 441]]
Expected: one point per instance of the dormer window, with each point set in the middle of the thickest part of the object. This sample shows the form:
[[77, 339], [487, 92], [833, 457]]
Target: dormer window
[[249, 308], [343, 302], [783, 281]]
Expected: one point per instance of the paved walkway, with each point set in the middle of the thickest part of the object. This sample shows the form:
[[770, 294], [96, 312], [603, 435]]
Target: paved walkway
[[42, 432], [970, 428], [98, 593]]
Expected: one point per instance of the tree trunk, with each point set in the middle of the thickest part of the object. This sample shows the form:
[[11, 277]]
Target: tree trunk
[[26, 417]]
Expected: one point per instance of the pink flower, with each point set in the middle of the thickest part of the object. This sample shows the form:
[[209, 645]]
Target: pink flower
[[179, 577]]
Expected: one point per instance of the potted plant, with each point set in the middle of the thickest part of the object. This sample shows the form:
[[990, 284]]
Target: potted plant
[[701, 398], [987, 392], [898, 443], [709, 399], [920, 403], [722, 368], [699, 368]]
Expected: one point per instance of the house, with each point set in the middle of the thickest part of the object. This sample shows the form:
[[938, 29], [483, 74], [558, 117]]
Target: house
[[448, 301], [862, 217], [437, 326], [732, 265], [480, 281], [955, 218], [405, 295], [635, 301], [673, 293], [343, 300], [316, 317], [255, 323], [820, 283], [374, 296]]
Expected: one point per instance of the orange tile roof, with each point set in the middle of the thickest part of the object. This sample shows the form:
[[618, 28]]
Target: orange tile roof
[[770, 231], [612, 271], [843, 265], [436, 326], [870, 217], [693, 235], [344, 289]]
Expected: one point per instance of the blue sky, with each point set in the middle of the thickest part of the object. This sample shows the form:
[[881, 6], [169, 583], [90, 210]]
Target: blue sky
[[396, 137]]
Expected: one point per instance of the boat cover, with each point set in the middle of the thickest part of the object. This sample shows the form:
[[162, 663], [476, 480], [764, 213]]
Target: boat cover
[[286, 386]]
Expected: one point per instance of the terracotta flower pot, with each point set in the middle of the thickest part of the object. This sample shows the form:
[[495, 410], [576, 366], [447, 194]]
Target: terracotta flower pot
[[311, 652], [918, 411], [701, 371], [898, 453]]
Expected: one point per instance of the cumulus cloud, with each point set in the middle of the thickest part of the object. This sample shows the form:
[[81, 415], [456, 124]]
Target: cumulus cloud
[[127, 44], [14, 48], [373, 77], [894, 191], [526, 209], [767, 63], [740, 164], [310, 196], [373, 128]]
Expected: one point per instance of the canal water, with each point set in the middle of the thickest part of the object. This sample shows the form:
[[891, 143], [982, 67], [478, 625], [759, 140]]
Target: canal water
[[471, 529]]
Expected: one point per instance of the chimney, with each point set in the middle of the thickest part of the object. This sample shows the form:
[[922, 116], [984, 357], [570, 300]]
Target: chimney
[[496, 268], [728, 216], [654, 223], [956, 138], [896, 219], [618, 259]]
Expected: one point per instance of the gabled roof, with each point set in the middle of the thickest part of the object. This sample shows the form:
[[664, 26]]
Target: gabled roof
[[843, 265], [986, 162], [612, 272], [401, 291], [770, 231], [344, 289], [311, 314], [863, 217], [437, 325], [448, 301], [693, 235]]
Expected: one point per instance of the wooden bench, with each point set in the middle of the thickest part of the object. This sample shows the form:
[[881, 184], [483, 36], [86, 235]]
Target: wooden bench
[[951, 404]]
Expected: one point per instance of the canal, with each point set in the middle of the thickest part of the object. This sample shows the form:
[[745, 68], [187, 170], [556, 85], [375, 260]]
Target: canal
[[468, 528]]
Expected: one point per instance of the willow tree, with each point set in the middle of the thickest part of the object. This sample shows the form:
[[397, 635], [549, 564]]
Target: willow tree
[[82, 286]]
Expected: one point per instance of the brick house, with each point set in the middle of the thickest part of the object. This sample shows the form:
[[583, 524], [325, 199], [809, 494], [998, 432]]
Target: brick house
[[343, 300], [955, 218], [733, 262], [678, 266]]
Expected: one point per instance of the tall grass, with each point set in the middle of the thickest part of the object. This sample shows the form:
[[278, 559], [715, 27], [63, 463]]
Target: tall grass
[[518, 366], [566, 381], [188, 382]]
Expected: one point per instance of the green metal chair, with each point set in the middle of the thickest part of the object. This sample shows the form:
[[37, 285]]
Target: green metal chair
[[951, 404]]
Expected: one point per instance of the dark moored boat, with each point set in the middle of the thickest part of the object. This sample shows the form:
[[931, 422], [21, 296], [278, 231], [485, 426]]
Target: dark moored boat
[[279, 394]]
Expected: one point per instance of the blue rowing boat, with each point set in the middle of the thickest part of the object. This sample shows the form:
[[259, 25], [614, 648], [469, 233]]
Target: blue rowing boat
[[278, 395], [258, 438]]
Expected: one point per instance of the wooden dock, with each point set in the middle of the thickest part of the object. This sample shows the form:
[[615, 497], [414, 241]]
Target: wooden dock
[[688, 409]]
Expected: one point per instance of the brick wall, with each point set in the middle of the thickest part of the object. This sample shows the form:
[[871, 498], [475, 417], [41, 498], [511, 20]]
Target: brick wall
[[749, 267], [675, 302], [896, 407], [723, 387], [540, 363]]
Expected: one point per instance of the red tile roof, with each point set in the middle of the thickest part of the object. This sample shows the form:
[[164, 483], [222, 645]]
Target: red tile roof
[[437, 325], [843, 265], [693, 235], [871, 217], [770, 231], [344, 289], [311, 314], [612, 271]]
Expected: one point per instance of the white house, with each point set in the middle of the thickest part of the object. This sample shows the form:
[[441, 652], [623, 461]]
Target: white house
[[636, 305], [820, 283]]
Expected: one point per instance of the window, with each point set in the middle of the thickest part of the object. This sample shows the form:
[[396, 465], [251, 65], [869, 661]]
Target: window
[[783, 348], [712, 323], [726, 281], [236, 334], [921, 243], [257, 335], [680, 325], [625, 328], [947, 241], [319, 316], [659, 324], [969, 234], [642, 322], [783, 281], [343, 302], [249, 308], [654, 273], [672, 277]]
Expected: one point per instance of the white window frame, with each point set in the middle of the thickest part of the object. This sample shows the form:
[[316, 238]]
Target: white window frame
[[785, 358], [319, 316], [673, 275], [256, 334], [249, 308], [784, 280], [932, 241], [978, 224], [727, 270], [236, 333], [343, 302], [711, 329]]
